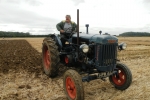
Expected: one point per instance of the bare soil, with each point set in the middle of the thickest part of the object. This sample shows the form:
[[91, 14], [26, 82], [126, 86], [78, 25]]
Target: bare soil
[[22, 76], [17, 55]]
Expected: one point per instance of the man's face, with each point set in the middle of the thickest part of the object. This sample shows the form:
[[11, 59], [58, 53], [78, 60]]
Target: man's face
[[68, 19]]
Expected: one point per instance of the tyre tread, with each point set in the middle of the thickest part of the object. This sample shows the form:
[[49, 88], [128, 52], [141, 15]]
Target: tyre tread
[[128, 79], [78, 83], [53, 49]]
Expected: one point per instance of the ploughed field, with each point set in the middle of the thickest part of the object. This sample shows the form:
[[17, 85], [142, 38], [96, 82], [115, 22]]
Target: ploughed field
[[22, 76]]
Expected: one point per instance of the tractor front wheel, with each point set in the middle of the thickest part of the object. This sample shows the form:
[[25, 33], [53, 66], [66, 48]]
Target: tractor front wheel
[[73, 85], [123, 78]]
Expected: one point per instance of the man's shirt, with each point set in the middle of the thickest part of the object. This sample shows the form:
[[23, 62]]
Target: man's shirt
[[68, 27]]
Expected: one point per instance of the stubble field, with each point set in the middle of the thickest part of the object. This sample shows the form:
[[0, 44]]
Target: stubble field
[[22, 76]]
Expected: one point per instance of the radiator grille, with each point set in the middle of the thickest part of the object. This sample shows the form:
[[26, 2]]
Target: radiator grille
[[107, 54]]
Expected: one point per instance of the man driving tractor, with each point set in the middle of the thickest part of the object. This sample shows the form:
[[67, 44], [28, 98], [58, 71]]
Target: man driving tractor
[[66, 27], [87, 57]]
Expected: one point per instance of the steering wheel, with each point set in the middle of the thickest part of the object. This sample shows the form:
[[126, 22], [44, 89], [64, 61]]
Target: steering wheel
[[68, 34]]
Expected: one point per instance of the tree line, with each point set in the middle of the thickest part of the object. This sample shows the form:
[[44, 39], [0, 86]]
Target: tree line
[[22, 34], [18, 34], [135, 34]]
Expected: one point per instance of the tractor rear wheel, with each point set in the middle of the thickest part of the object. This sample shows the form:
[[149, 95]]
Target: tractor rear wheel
[[50, 57], [123, 78], [73, 85]]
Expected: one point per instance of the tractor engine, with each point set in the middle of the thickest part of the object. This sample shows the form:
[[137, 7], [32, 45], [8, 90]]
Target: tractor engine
[[99, 51]]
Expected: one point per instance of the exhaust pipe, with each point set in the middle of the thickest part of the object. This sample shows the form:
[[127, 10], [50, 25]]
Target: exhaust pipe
[[78, 31], [77, 26]]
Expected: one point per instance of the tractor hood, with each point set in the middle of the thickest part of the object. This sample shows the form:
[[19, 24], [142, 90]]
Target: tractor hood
[[95, 38]]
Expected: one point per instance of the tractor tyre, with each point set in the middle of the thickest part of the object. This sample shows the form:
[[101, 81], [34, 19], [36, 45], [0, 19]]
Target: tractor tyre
[[123, 78], [73, 85], [50, 57]]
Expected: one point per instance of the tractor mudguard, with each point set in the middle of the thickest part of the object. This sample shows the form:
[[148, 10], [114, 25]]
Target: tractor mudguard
[[57, 40]]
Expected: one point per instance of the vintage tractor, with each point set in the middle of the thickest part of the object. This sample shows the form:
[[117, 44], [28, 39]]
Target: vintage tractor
[[87, 57]]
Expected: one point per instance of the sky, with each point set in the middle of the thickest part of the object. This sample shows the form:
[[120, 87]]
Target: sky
[[41, 16]]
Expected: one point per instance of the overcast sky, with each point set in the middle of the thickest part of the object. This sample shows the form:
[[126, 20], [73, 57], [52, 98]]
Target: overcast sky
[[41, 16]]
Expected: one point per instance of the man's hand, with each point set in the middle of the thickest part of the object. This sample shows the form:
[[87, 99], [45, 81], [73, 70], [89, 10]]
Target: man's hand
[[62, 31]]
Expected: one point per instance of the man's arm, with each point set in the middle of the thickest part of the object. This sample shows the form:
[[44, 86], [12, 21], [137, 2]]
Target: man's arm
[[58, 26]]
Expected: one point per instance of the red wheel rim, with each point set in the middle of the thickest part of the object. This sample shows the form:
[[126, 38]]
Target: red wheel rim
[[66, 60], [70, 87], [121, 79], [47, 61]]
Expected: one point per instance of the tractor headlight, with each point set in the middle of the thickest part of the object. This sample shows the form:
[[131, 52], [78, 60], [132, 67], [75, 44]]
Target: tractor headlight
[[84, 48], [122, 46]]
